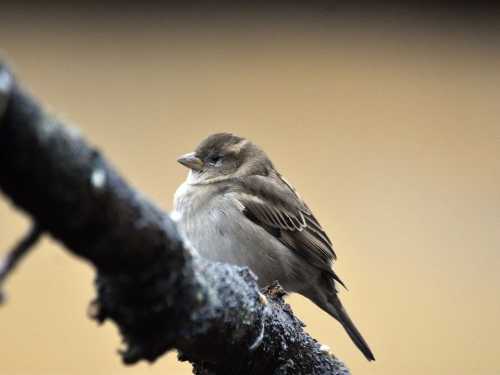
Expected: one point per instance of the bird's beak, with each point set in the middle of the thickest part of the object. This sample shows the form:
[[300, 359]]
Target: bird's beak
[[191, 161]]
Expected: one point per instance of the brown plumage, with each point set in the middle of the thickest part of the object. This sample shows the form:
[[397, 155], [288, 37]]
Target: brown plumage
[[236, 208]]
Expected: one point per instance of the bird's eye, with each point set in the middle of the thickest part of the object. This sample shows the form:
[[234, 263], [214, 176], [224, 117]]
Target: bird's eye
[[214, 159]]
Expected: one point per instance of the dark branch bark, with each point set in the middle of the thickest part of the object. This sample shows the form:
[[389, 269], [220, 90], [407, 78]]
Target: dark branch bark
[[9, 263], [147, 282]]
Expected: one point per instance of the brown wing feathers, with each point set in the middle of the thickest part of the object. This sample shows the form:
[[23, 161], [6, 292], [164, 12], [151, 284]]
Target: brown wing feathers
[[275, 205]]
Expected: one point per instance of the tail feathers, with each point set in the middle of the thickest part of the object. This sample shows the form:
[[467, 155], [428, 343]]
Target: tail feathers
[[334, 308]]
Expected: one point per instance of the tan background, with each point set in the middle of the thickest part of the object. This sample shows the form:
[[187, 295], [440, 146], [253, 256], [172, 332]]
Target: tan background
[[391, 134]]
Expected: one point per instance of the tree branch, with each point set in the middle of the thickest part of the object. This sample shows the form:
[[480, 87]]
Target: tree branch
[[9, 263], [148, 283]]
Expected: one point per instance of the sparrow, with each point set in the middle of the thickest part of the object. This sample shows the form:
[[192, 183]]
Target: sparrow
[[235, 207]]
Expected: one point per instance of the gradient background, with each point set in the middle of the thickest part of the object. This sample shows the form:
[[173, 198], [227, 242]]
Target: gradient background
[[387, 123]]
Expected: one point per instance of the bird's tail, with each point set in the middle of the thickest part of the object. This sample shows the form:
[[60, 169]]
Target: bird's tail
[[334, 308]]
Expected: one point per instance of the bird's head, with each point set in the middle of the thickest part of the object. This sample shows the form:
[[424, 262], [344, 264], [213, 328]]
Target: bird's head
[[223, 156]]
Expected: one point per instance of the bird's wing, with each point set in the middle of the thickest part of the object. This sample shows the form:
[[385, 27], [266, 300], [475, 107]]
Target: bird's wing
[[271, 202]]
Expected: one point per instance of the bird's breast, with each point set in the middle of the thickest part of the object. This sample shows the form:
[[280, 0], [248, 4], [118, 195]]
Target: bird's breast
[[217, 229]]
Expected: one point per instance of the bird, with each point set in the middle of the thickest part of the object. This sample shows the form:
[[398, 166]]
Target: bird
[[235, 207]]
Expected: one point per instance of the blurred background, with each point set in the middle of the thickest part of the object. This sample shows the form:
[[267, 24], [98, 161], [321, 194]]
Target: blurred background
[[386, 121]]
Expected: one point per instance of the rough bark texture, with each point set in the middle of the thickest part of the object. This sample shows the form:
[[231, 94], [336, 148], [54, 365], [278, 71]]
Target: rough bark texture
[[147, 282]]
